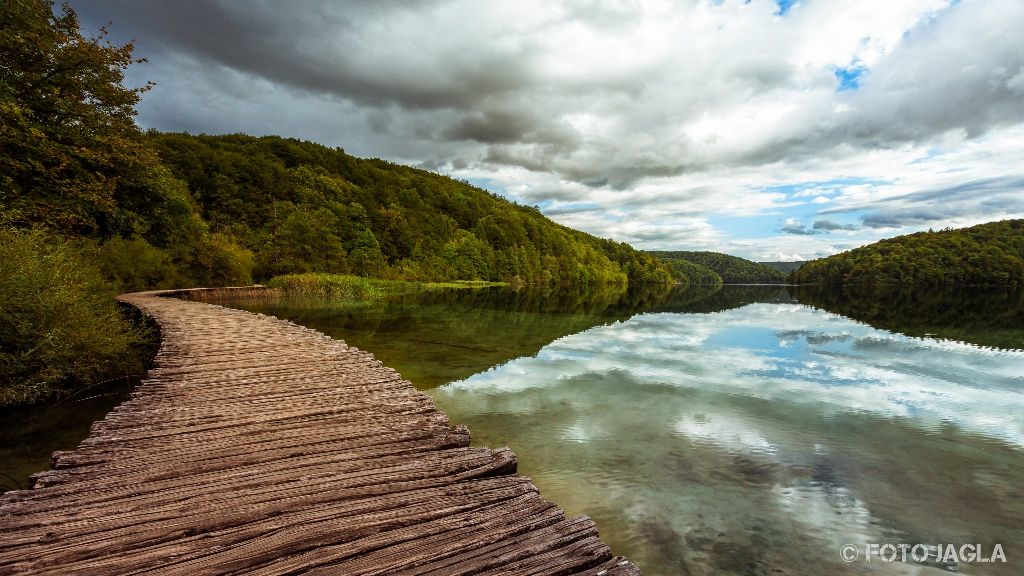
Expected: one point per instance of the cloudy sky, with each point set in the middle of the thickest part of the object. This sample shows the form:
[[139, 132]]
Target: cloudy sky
[[773, 130]]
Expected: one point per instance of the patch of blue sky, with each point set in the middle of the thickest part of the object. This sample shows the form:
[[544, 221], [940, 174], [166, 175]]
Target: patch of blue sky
[[746, 227], [835, 184], [934, 152], [497, 188], [800, 205], [487, 184], [784, 6], [547, 206], [849, 77]]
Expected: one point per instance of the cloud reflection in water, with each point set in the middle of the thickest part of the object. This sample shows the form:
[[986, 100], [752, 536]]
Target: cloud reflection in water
[[762, 437]]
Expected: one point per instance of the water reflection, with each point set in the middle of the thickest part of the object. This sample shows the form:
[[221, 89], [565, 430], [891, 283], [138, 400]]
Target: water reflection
[[733, 430], [759, 440], [437, 337], [984, 316]]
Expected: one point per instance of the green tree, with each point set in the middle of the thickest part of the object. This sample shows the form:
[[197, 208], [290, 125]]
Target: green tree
[[366, 258], [66, 122]]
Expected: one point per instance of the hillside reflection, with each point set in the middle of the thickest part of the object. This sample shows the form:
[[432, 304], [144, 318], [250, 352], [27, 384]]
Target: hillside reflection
[[435, 337], [991, 317]]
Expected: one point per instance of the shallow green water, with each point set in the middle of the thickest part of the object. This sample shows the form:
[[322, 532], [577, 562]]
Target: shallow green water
[[734, 431]]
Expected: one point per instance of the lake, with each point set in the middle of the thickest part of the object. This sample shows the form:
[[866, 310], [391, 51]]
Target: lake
[[747, 430], [734, 430]]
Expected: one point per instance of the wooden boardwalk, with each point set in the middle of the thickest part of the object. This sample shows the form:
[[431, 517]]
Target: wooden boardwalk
[[256, 446]]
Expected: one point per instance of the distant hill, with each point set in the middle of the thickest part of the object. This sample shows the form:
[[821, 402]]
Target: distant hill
[[691, 273], [984, 255], [731, 269], [785, 267], [299, 206]]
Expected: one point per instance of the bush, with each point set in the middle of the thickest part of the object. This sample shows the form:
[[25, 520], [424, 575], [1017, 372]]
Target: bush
[[60, 329], [135, 265]]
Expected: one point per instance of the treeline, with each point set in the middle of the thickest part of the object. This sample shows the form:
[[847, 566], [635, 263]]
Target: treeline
[[695, 273], [989, 254], [730, 269], [301, 207], [784, 267]]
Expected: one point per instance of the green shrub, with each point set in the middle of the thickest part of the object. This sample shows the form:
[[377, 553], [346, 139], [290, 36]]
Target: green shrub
[[232, 263], [135, 265], [60, 329]]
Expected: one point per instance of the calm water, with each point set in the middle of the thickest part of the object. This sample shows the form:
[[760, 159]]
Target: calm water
[[743, 430], [28, 436], [735, 431]]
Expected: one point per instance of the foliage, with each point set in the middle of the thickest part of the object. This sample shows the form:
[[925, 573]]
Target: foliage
[[59, 327], [338, 287], [347, 288], [784, 267], [216, 210], [689, 273], [70, 144], [984, 255], [135, 265], [731, 269], [303, 207], [74, 161]]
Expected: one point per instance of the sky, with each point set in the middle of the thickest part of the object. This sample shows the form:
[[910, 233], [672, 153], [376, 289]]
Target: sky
[[768, 129]]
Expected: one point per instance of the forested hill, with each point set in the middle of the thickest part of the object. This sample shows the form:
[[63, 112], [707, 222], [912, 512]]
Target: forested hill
[[694, 273], [731, 269], [300, 206], [989, 254], [784, 267]]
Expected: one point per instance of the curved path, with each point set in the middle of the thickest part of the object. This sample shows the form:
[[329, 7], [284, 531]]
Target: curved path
[[256, 446]]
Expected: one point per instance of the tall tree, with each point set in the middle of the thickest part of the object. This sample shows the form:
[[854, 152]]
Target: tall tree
[[69, 146]]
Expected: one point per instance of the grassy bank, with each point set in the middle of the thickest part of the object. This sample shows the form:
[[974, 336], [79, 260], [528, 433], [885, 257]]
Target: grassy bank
[[348, 287]]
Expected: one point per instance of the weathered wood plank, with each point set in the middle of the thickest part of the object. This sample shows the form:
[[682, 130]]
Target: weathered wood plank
[[256, 446]]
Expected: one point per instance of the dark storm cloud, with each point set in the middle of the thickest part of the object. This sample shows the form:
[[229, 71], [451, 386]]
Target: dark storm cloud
[[900, 218], [830, 226], [794, 227], [508, 127], [463, 79], [315, 46]]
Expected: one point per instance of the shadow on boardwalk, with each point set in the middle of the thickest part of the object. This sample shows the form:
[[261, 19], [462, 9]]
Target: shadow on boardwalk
[[257, 446]]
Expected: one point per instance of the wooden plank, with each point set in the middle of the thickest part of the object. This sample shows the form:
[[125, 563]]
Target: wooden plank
[[256, 446]]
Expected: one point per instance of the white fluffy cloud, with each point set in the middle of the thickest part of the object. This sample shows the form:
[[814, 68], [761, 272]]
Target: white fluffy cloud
[[647, 121]]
